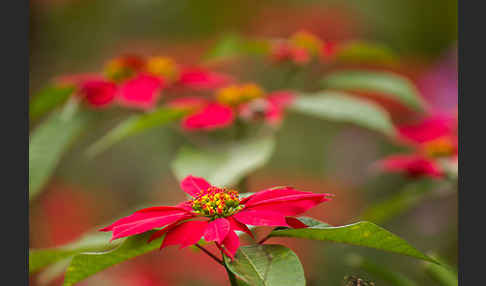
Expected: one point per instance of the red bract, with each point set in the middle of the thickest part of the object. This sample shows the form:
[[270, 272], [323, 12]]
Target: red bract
[[141, 91], [210, 117], [216, 213], [433, 138], [413, 165], [200, 79], [98, 92]]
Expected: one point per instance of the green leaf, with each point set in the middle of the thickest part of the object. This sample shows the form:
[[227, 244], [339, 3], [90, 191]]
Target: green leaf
[[40, 258], [337, 106], [267, 265], [47, 99], [133, 125], [225, 164], [86, 264], [365, 52], [362, 233], [381, 271], [445, 275], [399, 203], [233, 45], [49, 141], [387, 84]]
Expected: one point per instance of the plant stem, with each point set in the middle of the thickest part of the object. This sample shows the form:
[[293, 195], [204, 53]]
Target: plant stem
[[231, 277], [266, 237], [210, 254]]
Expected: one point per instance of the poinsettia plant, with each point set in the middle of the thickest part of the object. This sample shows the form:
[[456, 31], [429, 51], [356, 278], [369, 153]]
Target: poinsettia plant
[[228, 128]]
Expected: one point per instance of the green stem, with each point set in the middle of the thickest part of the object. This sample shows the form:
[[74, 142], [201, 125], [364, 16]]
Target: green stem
[[210, 254], [231, 277]]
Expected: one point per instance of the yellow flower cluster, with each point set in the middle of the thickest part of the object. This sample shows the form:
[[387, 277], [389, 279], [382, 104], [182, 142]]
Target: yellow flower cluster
[[440, 147], [164, 67], [216, 202], [237, 94], [307, 41]]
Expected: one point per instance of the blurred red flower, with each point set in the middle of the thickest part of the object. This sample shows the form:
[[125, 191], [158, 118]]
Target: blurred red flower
[[433, 139]]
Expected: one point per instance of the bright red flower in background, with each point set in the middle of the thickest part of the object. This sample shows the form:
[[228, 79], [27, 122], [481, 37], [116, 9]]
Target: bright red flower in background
[[142, 91], [216, 213], [247, 102], [211, 116], [433, 139], [301, 48]]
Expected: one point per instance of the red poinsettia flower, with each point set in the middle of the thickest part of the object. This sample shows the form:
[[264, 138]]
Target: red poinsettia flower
[[271, 107], [244, 101], [216, 213], [301, 48], [141, 91], [433, 138]]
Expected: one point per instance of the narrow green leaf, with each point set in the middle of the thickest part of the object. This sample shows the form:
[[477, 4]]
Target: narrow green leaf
[[399, 203], [86, 264], [362, 233], [48, 142], [365, 52], [337, 106], [267, 265], [226, 164], [47, 99], [40, 258], [133, 125], [380, 271], [387, 84], [445, 275]]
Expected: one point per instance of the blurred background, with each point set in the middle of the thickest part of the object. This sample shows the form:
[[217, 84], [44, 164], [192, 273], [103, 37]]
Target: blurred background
[[71, 36]]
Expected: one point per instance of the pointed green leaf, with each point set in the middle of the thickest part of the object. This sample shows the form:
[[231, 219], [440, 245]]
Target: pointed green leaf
[[48, 142], [388, 84], [47, 99], [267, 265], [362, 233], [86, 264], [133, 125], [225, 164], [445, 275], [233, 45], [340, 107], [40, 258]]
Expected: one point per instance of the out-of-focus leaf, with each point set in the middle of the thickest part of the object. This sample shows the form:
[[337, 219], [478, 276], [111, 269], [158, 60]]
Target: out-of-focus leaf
[[267, 265], [397, 204], [39, 258], [133, 125], [445, 276], [86, 264], [365, 52], [225, 164], [233, 45], [362, 233], [48, 142], [380, 271], [387, 84], [337, 106], [47, 99]]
